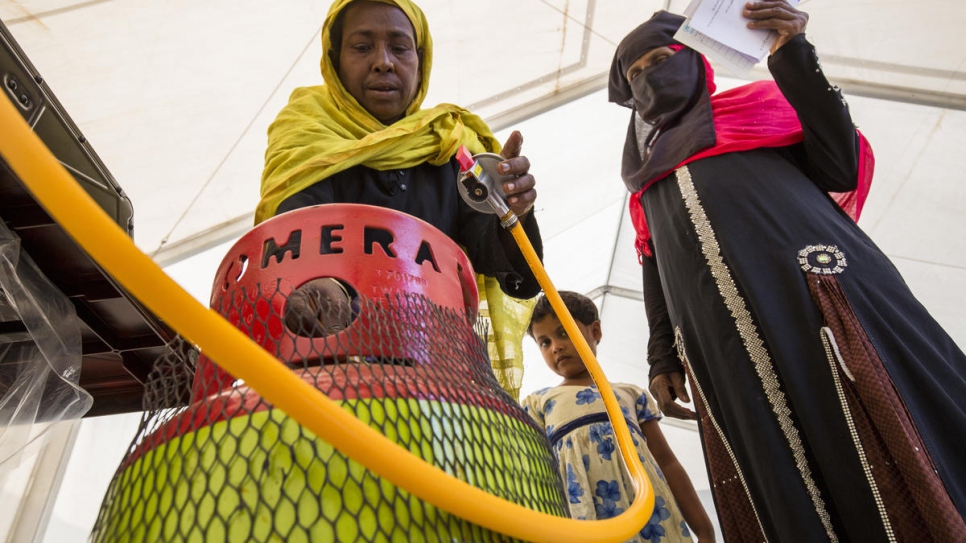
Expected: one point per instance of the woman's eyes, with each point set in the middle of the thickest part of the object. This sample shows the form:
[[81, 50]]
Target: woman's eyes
[[653, 61], [398, 50]]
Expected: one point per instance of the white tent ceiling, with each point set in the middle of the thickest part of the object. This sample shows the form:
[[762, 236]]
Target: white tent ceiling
[[176, 95]]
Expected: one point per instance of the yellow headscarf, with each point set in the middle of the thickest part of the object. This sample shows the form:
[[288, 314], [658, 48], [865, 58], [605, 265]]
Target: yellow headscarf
[[324, 130]]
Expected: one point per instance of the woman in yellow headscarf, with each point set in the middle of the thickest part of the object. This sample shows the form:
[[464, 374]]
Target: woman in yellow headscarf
[[361, 137]]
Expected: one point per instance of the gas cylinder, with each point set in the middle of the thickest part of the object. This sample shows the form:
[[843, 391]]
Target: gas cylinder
[[394, 303]]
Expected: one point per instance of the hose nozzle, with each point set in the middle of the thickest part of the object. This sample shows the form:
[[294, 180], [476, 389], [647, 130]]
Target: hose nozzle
[[481, 185]]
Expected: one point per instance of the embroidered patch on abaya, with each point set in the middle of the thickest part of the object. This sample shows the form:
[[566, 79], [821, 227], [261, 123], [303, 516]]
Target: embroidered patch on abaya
[[822, 259]]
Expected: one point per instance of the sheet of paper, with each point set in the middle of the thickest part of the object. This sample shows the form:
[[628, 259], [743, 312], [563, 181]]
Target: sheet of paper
[[734, 61], [722, 21]]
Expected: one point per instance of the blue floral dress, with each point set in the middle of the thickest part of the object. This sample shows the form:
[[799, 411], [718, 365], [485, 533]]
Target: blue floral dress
[[597, 484]]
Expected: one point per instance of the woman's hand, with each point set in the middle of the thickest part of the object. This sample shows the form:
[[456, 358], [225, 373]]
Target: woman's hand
[[666, 387], [519, 190], [319, 308], [777, 15]]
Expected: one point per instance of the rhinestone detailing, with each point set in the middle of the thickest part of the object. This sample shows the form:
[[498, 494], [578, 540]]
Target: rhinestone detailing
[[683, 356], [754, 346], [822, 259], [835, 359]]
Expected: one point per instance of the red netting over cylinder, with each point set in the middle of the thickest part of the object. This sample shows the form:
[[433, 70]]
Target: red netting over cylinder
[[376, 309]]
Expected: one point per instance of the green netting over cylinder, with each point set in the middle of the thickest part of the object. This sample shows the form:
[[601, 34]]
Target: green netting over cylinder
[[398, 351]]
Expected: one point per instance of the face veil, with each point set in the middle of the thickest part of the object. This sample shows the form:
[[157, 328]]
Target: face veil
[[672, 97]]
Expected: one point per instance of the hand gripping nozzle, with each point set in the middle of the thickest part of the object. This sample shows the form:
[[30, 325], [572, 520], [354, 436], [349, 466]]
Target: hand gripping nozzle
[[481, 185]]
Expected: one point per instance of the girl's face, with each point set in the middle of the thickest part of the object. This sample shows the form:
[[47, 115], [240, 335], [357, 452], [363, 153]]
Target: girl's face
[[558, 349]]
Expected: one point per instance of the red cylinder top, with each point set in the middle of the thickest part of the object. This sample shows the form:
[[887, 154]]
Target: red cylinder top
[[376, 251]]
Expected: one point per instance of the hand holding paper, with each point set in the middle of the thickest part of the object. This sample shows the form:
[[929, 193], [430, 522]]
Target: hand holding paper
[[738, 35], [780, 18]]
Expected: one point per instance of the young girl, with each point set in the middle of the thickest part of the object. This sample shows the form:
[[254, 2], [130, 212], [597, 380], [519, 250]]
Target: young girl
[[572, 413]]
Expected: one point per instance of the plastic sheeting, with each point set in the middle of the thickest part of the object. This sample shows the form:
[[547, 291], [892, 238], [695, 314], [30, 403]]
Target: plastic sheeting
[[40, 361]]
